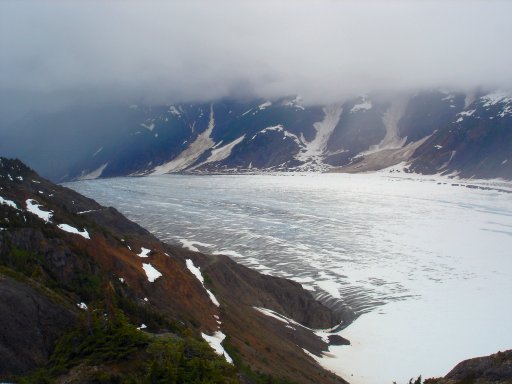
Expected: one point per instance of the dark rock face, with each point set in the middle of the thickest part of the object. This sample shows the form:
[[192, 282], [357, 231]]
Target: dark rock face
[[427, 112], [254, 289], [493, 369], [29, 325]]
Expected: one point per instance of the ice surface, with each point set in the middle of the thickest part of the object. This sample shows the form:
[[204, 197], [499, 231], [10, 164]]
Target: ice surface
[[422, 260], [151, 272], [34, 207], [70, 229]]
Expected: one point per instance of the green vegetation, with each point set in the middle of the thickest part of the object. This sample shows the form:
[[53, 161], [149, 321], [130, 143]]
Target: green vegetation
[[120, 353]]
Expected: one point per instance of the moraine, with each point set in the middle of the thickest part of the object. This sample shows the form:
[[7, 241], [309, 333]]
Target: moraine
[[423, 262]]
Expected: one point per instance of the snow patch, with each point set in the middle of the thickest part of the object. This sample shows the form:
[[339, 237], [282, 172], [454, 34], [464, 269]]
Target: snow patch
[[68, 228], [144, 252], [151, 272], [494, 98], [190, 244], [9, 203], [265, 105], [215, 342], [174, 111], [82, 305], [279, 128], [33, 207], [464, 114]]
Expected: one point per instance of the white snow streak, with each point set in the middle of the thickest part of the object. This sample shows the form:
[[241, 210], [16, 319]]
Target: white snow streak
[[215, 342], [68, 228], [98, 151], [265, 105], [279, 128], [196, 271], [464, 114], [9, 203], [222, 153], [94, 174]]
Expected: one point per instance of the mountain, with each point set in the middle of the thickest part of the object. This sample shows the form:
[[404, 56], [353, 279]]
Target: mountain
[[426, 132], [88, 296]]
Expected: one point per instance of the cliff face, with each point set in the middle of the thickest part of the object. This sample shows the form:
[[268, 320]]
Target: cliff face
[[74, 273], [30, 324]]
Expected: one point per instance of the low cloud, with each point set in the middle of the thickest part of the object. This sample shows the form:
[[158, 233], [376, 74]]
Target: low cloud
[[56, 52]]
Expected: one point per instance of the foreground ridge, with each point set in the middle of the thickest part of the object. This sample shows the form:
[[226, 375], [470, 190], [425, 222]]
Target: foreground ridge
[[93, 296]]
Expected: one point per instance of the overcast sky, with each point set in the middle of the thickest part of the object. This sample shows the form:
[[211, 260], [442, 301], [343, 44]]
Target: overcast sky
[[76, 51]]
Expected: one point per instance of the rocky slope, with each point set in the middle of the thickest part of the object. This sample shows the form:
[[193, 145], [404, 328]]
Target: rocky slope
[[90, 295], [432, 131]]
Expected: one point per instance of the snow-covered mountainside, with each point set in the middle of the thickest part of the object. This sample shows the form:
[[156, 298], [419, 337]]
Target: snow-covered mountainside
[[429, 131]]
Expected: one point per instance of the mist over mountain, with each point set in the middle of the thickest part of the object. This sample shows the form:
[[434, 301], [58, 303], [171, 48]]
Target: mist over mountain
[[61, 54]]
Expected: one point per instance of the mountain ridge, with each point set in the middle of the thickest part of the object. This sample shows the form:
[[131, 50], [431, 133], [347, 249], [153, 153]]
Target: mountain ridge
[[431, 132]]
